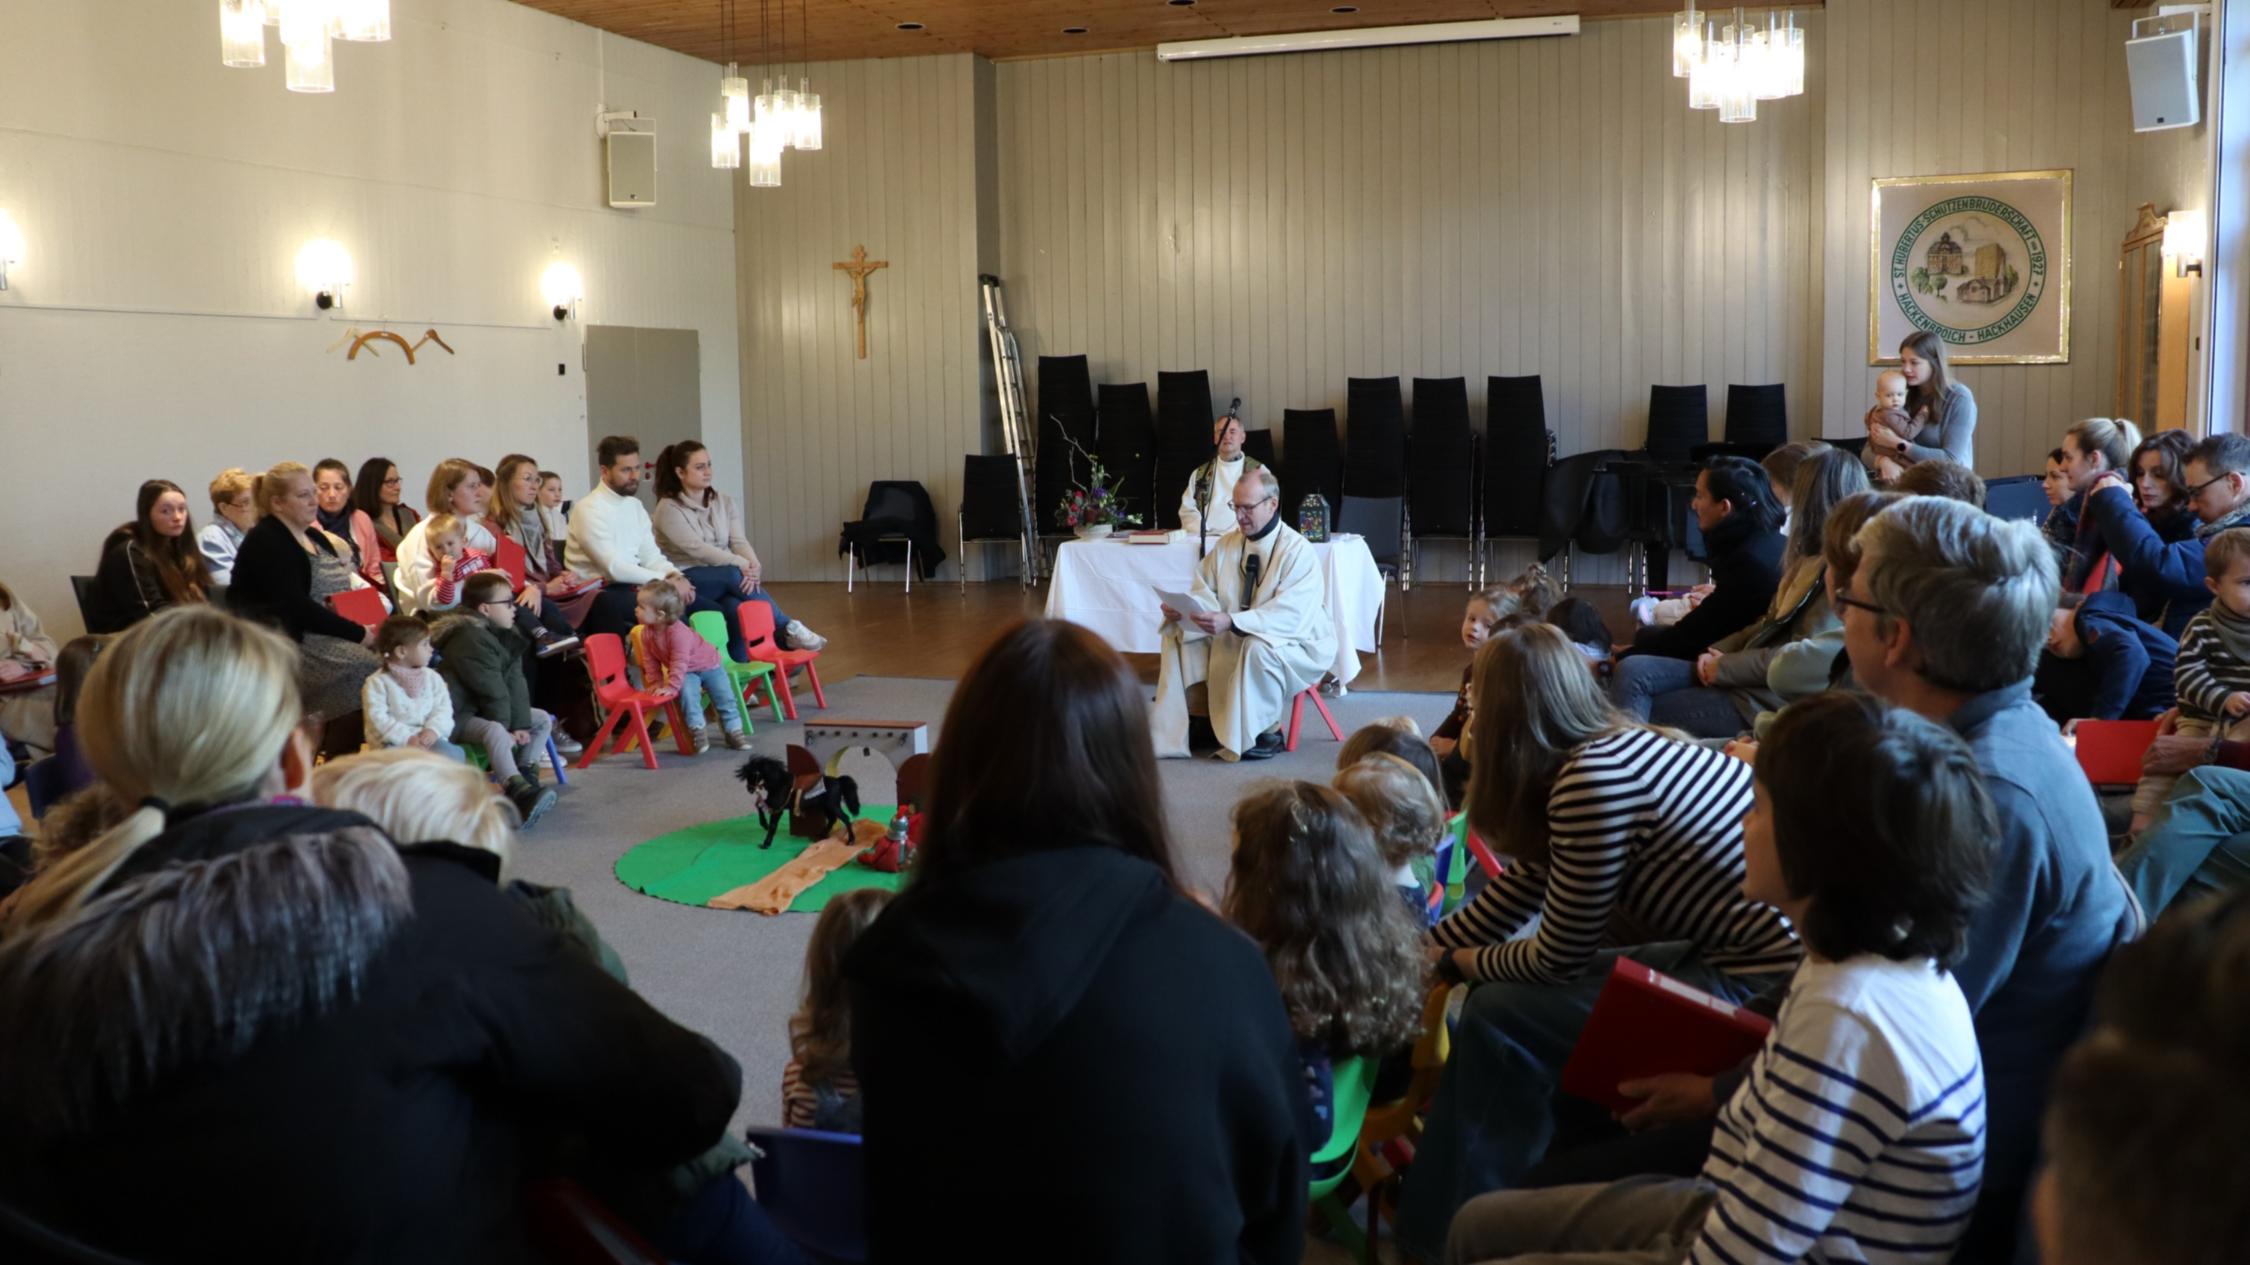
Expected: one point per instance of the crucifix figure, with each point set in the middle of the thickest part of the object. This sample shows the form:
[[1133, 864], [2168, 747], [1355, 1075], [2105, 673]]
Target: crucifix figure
[[858, 266]]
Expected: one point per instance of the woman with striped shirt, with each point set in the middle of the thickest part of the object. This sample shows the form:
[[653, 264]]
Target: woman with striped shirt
[[1616, 833], [1859, 1134]]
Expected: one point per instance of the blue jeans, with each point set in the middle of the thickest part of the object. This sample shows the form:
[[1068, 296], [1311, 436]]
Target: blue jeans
[[1665, 692], [694, 685], [720, 589], [2198, 842], [1494, 1112]]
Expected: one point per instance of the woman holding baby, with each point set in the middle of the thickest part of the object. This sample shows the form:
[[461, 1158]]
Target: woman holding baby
[[1936, 416]]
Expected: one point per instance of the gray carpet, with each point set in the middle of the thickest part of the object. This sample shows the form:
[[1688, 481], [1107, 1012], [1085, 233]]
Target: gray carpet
[[734, 976]]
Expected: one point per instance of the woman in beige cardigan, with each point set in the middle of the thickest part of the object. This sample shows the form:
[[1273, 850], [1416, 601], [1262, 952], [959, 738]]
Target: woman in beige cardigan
[[1786, 655], [27, 653], [699, 528]]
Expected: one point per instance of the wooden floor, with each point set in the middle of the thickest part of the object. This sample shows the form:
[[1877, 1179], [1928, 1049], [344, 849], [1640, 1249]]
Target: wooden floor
[[880, 630]]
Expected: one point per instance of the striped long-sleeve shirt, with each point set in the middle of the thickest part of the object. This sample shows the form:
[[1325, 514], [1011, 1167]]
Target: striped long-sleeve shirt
[[1859, 1134], [1638, 824], [2205, 672]]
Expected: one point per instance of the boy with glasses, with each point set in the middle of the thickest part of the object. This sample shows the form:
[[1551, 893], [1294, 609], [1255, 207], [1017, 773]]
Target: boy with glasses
[[481, 658]]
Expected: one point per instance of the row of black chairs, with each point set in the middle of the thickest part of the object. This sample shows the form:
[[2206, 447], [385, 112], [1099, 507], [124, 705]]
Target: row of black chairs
[[1396, 480]]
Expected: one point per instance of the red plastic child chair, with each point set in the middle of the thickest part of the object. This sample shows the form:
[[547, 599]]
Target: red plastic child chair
[[756, 619], [1297, 715], [605, 662]]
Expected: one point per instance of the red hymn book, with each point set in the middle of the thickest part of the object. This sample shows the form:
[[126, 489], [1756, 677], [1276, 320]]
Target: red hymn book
[[1647, 1024]]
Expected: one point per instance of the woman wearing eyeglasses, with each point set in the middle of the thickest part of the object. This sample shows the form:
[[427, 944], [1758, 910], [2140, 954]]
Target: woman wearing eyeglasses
[[376, 494]]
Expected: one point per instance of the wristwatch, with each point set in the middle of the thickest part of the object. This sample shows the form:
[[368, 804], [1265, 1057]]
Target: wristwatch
[[1449, 970]]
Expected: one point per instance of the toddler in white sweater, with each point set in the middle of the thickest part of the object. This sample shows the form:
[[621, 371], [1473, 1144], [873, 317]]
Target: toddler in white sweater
[[406, 704]]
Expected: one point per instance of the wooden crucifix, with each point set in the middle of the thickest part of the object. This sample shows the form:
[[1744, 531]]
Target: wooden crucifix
[[858, 266]]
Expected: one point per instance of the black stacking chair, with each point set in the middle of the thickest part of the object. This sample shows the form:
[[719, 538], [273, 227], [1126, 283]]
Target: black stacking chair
[[989, 513], [1442, 469], [897, 524], [1374, 502], [1258, 446], [1518, 450], [1660, 479], [82, 588], [1128, 450], [1314, 458], [1581, 505], [1065, 410], [1183, 438], [1757, 423]]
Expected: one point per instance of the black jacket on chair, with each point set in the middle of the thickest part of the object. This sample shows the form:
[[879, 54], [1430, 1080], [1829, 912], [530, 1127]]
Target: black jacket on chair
[[365, 1088], [895, 507], [1124, 1046], [273, 584], [1745, 571]]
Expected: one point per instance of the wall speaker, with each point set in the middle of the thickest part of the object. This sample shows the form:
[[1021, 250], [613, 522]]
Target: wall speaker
[[2166, 91], [630, 149]]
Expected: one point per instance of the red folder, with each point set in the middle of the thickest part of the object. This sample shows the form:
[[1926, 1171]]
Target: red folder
[[1646, 1024], [361, 606], [509, 557], [2110, 750]]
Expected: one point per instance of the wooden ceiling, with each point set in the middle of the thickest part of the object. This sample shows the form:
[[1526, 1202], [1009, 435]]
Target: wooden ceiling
[[1002, 29]]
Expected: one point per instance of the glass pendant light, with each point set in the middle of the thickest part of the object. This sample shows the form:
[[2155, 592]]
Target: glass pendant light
[[808, 116], [1704, 84], [734, 90], [242, 33], [309, 66], [1768, 74], [1793, 56], [363, 21], [726, 145], [273, 11], [765, 157], [1738, 87], [1687, 41]]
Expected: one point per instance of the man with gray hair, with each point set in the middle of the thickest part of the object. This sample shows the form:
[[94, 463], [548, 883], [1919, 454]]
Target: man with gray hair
[[1946, 616], [1259, 633]]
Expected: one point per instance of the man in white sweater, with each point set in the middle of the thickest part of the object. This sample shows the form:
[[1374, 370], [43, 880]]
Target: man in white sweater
[[612, 540]]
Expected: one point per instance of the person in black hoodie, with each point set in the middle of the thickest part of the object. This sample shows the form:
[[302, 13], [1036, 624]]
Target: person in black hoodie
[[1734, 506], [1043, 988], [244, 1029]]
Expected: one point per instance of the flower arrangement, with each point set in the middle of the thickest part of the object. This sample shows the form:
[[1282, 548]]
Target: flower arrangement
[[1095, 502]]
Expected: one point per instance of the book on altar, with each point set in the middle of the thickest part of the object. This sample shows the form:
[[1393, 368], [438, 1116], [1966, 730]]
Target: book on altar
[[1184, 603], [1646, 1024], [1154, 537]]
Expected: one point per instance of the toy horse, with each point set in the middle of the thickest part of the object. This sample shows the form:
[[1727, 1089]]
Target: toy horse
[[770, 791]]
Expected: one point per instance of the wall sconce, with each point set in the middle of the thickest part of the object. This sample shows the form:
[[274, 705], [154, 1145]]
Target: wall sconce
[[2186, 235], [324, 268], [11, 247], [562, 288]]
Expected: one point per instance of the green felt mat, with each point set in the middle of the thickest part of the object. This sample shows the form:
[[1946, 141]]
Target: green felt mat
[[689, 867]]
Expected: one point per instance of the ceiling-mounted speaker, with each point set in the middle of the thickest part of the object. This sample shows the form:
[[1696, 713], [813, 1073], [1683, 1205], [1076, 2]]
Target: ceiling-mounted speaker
[[2167, 91], [630, 150]]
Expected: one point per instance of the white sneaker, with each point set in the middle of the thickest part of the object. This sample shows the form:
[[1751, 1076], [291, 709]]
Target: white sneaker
[[567, 745], [803, 638], [699, 738]]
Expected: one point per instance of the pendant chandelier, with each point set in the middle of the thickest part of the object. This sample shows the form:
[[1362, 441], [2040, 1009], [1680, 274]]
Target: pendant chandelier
[[309, 29], [1732, 68], [779, 117]]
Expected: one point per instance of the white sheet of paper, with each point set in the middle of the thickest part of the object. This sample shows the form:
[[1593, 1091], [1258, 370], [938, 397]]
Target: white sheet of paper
[[1184, 603]]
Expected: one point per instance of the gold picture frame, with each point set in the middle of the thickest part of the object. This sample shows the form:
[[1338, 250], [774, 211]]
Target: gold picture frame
[[1999, 313]]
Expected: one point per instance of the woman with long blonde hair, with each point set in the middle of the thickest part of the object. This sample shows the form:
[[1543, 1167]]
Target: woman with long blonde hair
[[229, 974], [1611, 828]]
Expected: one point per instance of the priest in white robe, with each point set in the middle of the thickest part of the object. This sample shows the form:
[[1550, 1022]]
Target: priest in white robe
[[1267, 636], [1211, 485]]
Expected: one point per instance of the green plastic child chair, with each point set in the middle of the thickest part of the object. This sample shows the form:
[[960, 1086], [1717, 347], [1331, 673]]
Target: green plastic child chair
[[1353, 1081], [712, 626]]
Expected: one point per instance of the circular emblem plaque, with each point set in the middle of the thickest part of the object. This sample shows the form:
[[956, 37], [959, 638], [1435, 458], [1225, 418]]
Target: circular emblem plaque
[[1969, 269]]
